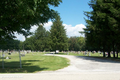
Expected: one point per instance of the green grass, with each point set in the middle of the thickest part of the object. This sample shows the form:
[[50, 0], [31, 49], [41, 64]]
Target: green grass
[[32, 62]]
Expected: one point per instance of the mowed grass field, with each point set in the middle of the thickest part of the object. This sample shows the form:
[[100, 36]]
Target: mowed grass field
[[32, 62]]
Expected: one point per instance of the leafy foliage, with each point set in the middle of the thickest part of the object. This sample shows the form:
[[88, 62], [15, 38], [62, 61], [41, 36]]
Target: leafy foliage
[[10, 44], [19, 15], [76, 44]]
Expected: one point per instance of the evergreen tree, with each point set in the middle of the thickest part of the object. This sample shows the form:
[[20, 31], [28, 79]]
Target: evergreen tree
[[39, 41], [42, 39], [103, 25], [58, 35]]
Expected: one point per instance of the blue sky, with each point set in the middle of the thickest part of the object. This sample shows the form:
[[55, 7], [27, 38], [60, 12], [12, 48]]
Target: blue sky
[[72, 15], [72, 11]]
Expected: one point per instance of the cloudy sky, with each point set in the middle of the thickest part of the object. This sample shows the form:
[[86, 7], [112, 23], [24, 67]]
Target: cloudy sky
[[72, 15]]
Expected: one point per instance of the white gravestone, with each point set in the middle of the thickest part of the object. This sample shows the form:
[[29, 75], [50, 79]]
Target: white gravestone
[[7, 57], [3, 55], [89, 53]]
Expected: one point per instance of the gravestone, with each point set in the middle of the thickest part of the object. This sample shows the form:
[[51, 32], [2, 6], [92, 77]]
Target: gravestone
[[57, 51], [7, 57], [99, 53], [79, 52], [3, 55], [89, 53], [67, 53], [22, 55], [106, 54], [86, 52]]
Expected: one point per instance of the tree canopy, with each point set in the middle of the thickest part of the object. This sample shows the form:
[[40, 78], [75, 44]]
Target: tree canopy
[[19, 15], [10, 44], [76, 43], [58, 35], [39, 41], [103, 25]]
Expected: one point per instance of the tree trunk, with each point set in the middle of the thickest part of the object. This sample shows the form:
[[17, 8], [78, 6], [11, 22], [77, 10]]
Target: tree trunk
[[103, 53], [109, 54], [113, 54], [117, 55], [104, 50]]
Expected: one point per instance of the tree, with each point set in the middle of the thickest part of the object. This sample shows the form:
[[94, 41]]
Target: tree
[[58, 35], [73, 44], [10, 44], [39, 41], [29, 44], [42, 37], [76, 43], [19, 15], [81, 42], [103, 25]]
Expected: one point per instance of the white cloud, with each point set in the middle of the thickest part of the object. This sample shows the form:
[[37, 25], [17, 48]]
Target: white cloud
[[74, 30], [20, 37], [33, 28], [48, 25], [70, 30]]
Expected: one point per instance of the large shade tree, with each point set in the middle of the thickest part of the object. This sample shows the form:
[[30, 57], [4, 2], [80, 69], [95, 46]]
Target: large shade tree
[[19, 15], [10, 44]]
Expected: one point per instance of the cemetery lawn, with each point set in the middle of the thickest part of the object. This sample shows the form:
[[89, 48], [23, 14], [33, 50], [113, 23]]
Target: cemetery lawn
[[32, 62]]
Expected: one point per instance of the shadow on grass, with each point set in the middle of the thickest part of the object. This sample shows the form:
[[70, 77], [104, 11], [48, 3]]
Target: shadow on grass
[[14, 67], [99, 59]]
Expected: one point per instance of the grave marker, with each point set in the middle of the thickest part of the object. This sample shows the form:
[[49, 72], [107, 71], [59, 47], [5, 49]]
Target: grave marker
[[89, 53], [7, 57]]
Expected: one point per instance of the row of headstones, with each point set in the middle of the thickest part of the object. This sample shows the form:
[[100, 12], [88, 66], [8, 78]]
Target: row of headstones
[[13, 52], [2, 56], [83, 52], [22, 52], [88, 52]]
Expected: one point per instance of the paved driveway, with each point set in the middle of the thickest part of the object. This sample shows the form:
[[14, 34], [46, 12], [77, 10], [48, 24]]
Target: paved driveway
[[81, 68]]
